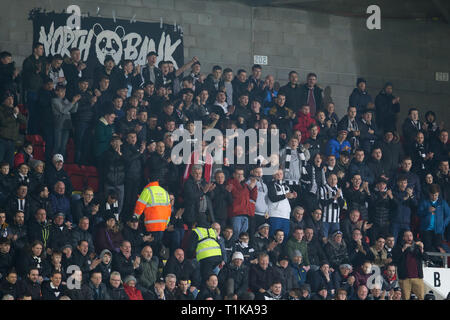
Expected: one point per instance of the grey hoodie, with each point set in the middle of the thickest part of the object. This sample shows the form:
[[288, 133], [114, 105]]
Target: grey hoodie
[[262, 199]]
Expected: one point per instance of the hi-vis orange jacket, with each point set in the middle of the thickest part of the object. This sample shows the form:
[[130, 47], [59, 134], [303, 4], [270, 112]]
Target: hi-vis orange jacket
[[154, 201]]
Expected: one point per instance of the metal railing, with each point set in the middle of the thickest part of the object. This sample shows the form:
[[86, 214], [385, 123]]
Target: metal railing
[[444, 256]]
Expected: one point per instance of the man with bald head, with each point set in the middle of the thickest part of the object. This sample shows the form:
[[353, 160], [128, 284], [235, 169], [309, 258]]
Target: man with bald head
[[182, 268]]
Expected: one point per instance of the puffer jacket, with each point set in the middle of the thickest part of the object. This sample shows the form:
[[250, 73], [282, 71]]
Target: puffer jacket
[[382, 209], [113, 168]]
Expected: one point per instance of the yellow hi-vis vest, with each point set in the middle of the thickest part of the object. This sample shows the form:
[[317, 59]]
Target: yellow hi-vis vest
[[207, 245]]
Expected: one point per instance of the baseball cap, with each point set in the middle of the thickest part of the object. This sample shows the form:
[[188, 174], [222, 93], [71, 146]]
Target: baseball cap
[[263, 226], [237, 255], [152, 53], [346, 266], [134, 219], [60, 214], [58, 157]]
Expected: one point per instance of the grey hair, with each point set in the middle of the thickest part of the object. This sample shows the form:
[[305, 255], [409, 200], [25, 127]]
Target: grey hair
[[171, 276]]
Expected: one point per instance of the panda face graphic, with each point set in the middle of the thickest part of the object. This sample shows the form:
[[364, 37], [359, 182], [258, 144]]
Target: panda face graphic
[[108, 43]]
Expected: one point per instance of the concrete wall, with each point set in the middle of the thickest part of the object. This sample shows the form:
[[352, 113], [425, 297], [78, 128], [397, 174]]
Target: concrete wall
[[338, 49]]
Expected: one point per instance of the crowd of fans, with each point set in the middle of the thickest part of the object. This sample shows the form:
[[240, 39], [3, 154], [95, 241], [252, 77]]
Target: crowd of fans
[[352, 194]]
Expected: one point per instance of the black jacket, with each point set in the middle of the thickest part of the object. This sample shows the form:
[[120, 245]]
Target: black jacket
[[135, 238], [27, 287], [401, 258], [316, 253], [221, 199], [39, 231], [286, 275], [259, 278], [382, 210], [102, 294], [293, 96], [357, 200], [207, 293], [392, 154], [123, 265], [133, 162], [22, 235], [359, 99], [358, 258], [386, 111], [83, 293], [48, 293], [317, 280], [60, 236], [182, 270], [52, 177], [192, 195], [409, 133], [239, 275], [378, 168], [318, 96], [113, 168], [117, 293], [36, 202], [6, 262]]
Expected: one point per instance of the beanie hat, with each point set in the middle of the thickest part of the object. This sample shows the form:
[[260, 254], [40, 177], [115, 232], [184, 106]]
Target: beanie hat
[[237, 255], [297, 253], [130, 278]]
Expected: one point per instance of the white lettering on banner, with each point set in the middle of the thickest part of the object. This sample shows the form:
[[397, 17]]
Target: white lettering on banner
[[116, 43]]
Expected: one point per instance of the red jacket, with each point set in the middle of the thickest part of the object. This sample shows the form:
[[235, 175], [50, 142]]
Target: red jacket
[[304, 121], [244, 199], [132, 292]]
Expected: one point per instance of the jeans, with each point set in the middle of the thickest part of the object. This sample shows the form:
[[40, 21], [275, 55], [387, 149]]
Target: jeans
[[279, 223], [176, 236], [61, 138], [240, 224], [7, 148], [329, 228]]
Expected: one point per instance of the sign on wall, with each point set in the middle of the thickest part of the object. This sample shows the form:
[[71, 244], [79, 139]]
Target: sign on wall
[[98, 37]]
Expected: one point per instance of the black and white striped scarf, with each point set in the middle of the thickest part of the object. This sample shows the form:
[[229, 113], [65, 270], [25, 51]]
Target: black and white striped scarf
[[288, 159]]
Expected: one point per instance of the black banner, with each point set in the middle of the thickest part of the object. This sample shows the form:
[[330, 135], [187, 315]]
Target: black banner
[[98, 37]]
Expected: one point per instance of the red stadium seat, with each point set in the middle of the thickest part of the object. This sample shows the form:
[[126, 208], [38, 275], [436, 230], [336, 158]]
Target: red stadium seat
[[70, 151], [38, 146], [92, 177], [76, 175]]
